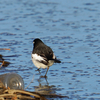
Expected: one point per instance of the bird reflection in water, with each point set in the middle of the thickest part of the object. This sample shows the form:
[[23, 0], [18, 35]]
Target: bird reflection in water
[[46, 90]]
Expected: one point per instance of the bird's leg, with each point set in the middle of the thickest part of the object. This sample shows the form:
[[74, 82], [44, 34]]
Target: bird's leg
[[38, 69], [45, 76], [46, 72]]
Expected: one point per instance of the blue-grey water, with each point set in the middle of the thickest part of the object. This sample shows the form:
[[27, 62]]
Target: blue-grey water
[[71, 28]]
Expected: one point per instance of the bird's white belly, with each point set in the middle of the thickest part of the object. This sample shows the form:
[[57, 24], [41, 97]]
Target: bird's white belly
[[39, 64]]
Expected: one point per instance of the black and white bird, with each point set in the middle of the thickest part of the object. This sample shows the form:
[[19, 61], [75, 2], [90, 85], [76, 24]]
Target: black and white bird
[[42, 55]]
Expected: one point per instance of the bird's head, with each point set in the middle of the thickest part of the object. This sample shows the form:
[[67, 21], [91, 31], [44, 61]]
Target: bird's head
[[37, 42]]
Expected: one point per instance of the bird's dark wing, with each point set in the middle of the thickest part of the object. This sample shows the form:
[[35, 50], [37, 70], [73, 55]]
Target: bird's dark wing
[[44, 51]]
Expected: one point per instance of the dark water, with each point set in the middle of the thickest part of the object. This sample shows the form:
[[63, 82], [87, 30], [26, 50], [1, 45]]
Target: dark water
[[71, 28]]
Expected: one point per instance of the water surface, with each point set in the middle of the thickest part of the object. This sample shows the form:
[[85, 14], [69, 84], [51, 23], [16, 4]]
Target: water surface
[[71, 28]]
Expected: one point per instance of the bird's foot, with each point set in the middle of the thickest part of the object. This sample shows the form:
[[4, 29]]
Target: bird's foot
[[43, 76]]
